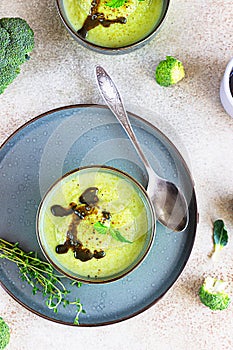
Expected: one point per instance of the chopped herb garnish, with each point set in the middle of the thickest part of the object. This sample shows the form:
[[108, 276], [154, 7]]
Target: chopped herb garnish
[[118, 236], [41, 276], [103, 229], [116, 3]]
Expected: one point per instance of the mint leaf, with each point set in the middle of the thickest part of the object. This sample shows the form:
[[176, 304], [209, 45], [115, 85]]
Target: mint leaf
[[116, 3], [118, 236], [101, 228]]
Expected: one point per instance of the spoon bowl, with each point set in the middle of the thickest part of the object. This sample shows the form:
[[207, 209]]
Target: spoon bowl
[[169, 202]]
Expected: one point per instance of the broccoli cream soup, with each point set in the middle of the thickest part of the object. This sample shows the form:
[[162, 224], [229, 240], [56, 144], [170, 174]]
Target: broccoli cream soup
[[113, 23], [95, 223]]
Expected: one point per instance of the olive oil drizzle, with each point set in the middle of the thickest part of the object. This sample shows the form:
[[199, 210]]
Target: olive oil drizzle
[[88, 200], [95, 18]]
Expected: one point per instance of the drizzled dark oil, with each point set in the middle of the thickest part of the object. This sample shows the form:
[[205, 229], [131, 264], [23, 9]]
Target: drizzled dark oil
[[95, 18], [88, 201], [231, 83]]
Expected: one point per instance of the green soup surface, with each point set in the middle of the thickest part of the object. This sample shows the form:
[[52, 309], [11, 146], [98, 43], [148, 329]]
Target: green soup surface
[[95, 223], [113, 27]]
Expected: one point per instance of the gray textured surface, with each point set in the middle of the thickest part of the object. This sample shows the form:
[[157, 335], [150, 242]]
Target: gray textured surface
[[61, 73]]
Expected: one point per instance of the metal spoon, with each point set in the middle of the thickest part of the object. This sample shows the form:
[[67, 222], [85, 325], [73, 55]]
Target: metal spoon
[[169, 202]]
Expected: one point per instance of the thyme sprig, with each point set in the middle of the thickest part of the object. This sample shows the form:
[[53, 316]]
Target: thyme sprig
[[41, 276]]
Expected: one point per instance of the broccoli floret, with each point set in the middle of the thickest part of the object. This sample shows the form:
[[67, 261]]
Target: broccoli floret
[[213, 294], [4, 334], [7, 75], [5, 40], [169, 71], [16, 42]]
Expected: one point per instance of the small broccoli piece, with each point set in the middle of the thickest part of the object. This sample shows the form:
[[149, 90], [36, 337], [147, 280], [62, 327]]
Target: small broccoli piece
[[169, 71], [16, 42], [220, 237], [4, 334], [212, 294]]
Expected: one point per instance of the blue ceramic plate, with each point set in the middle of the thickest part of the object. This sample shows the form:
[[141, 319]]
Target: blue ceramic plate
[[57, 142]]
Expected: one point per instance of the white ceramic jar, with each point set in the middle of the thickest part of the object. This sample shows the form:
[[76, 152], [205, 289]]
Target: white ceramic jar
[[225, 92]]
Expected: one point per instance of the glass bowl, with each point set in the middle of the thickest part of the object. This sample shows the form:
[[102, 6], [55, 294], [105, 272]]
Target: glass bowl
[[95, 224], [113, 30]]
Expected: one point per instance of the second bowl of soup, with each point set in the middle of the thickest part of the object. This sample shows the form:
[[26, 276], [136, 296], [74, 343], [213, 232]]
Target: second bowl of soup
[[113, 26]]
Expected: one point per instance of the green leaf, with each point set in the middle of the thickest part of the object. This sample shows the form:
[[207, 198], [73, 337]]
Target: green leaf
[[65, 302], [76, 283], [116, 3], [101, 228], [220, 233], [220, 238], [118, 236]]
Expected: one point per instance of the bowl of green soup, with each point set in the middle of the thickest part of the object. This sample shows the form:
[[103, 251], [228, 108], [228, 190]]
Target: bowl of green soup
[[95, 224], [113, 26]]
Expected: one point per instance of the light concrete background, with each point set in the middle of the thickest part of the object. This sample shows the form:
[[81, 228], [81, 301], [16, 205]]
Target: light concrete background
[[59, 73]]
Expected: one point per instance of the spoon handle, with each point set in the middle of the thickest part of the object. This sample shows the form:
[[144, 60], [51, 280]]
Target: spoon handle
[[169, 202], [114, 101]]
